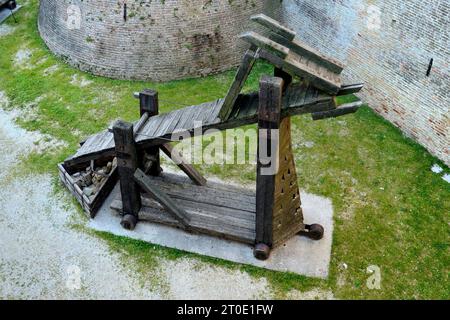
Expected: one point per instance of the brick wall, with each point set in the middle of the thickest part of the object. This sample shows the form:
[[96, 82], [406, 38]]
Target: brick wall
[[388, 44], [160, 40]]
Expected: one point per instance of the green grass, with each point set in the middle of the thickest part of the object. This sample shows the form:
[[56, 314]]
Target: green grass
[[390, 209]]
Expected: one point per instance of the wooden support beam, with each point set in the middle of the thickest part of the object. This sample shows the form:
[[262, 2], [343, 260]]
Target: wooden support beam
[[236, 87], [302, 49], [274, 26], [269, 115], [279, 214], [163, 199], [349, 89], [127, 163], [265, 43], [149, 104], [188, 169], [340, 111]]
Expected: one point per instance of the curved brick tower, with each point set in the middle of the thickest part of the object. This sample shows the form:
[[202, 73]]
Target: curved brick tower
[[154, 39]]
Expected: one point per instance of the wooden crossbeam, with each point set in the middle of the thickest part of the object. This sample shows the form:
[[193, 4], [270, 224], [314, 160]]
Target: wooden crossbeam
[[265, 43], [274, 26], [149, 106], [349, 89], [188, 169], [236, 87], [307, 52], [146, 184]]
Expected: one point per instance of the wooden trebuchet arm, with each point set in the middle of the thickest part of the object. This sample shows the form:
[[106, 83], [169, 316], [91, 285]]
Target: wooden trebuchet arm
[[341, 111]]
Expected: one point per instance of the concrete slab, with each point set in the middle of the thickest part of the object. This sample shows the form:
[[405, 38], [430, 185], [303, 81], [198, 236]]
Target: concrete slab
[[6, 13], [299, 255]]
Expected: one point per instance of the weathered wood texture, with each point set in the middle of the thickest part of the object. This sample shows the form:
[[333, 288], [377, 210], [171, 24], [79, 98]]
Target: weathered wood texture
[[274, 26], [301, 49], [127, 163], [216, 209], [278, 208], [265, 43], [301, 61], [241, 76], [350, 89], [149, 104], [164, 200], [299, 98], [90, 206], [287, 212], [285, 37], [187, 168]]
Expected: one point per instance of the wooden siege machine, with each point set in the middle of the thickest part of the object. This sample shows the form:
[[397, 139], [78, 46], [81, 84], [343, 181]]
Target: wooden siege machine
[[265, 218]]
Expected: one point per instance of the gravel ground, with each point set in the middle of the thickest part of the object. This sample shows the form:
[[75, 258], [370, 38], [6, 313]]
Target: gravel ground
[[43, 257]]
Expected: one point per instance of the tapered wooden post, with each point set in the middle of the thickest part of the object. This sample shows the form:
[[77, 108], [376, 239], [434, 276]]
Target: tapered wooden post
[[149, 103], [127, 164], [269, 116]]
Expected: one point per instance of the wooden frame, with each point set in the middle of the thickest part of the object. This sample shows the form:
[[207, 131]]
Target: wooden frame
[[91, 207], [266, 217]]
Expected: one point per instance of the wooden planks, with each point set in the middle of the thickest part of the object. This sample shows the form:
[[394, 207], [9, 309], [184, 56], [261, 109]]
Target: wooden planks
[[187, 168], [265, 43], [350, 89], [274, 26], [216, 209], [241, 76], [299, 98], [177, 212], [90, 206], [298, 59], [287, 213], [302, 49], [269, 116], [340, 111], [310, 71]]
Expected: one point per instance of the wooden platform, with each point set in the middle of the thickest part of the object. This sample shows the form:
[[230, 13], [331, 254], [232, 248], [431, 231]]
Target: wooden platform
[[216, 209], [300, 98]]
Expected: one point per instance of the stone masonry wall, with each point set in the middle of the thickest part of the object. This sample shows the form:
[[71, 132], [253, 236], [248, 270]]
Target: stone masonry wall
[[388, 45], [159, 40]]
